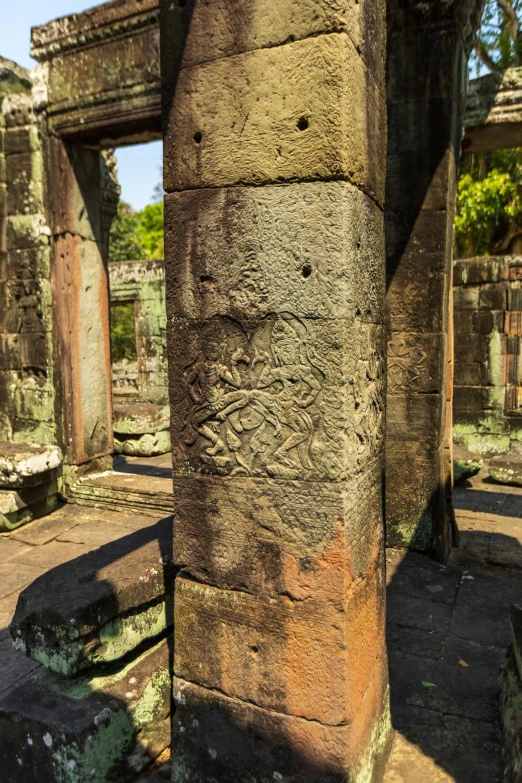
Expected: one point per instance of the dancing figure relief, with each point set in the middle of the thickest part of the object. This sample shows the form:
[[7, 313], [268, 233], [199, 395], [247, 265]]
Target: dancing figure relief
[[254, 409]]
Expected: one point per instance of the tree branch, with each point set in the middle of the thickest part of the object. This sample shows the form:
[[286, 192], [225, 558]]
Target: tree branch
[[511, 16], [484, 56]]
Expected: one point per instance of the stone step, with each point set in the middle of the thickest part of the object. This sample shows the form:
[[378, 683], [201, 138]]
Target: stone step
[[507, 469], [19, 506], [92, 729], [118, 491], [101, 605]]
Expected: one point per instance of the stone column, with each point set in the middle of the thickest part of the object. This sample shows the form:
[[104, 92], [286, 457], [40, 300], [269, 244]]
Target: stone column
[[274, 172], [81, 305], [426, 80]]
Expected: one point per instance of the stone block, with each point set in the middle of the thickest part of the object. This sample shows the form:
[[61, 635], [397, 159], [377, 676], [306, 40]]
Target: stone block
[[506, 470], [414, 495], [147, 445], [493, 296], [225, 739], [75, 191], [248, 252], [428, 177], [329, 422], [407, 285], [468, 374], [22, 505], [20, 462], [140, 418], [99, 606], [230, 126], [415, 417], [473, 348], [27, 231], [25, 177], [422, 124], [309, 659], [470, 399], [301, 539], [107, 725], [472, 271], [24, 139], [416, 363], [421, 241], [234, 27]]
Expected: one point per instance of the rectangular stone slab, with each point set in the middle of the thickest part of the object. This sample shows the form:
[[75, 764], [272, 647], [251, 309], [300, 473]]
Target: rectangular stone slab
[[90, 729], [101, 605], [19, 462]]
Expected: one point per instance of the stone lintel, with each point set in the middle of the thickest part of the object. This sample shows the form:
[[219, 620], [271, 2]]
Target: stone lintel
[[493, 117]]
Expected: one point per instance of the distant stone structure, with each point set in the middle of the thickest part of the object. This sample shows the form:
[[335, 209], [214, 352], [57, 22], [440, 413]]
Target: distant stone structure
[[488, 354], [141, 416]]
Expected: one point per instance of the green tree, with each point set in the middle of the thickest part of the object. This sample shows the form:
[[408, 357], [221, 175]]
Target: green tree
[[489, 204], [150, 230], [123, 332], [124, 244]]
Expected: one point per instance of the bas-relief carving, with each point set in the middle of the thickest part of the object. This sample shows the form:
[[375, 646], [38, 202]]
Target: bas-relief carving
[[26, 315], [262, 401], [407, 364]]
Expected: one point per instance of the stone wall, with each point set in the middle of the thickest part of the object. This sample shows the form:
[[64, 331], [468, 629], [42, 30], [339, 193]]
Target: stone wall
[[26, 350], [487, 416]]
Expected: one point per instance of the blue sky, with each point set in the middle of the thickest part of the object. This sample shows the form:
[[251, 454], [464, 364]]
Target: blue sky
[[138, 167]]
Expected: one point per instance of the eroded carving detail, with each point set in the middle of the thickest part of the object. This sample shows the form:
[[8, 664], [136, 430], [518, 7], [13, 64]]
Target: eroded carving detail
[[27, 306], [263, 402], [407, 364]]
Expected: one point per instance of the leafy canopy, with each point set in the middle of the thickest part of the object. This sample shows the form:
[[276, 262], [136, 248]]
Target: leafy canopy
[[137, 235]]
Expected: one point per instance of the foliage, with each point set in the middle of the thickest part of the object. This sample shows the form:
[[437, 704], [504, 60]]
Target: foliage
[[489, 203], [499, 41], [136, 235], [124, 244], [123, 332], [149, 230]]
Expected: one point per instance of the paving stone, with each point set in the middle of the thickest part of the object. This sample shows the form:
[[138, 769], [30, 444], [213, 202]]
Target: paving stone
[[472, 690], [424, 644], [512, 506], [479, 500], [93, 533], [99, 606], [481, 611], [473, 550], [52, 554], [10, 548], [44, 530], [505, 550], [419, 576], [16, 576], [422, 613], [407, 673], [460, 750], [7, 610]]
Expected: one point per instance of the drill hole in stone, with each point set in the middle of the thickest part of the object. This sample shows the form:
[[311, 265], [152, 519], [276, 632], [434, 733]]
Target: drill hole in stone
[[254, 649], [306, 271], [302, 123], [197, 137]]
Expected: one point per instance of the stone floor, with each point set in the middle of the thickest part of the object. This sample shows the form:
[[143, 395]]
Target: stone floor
[[447, 626]]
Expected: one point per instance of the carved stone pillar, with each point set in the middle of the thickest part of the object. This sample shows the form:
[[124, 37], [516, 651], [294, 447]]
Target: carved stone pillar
[[274, 172], [426, 79]]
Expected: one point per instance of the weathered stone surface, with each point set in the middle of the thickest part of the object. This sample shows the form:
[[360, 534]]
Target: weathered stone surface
[[494, 111], [224, 739], [20, 462], [215, 30], [506, 469], [310, 659], [315, 245], [465, 464], [147, 445], [103, 72], [101, 605], [139, 418], [106, 725], [298, 122], [510, 711]]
